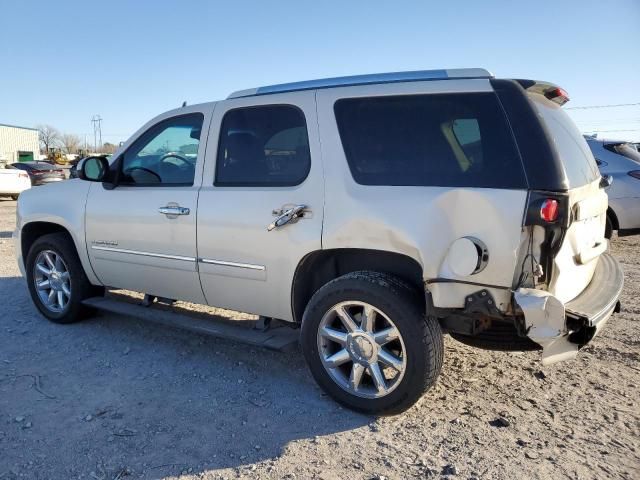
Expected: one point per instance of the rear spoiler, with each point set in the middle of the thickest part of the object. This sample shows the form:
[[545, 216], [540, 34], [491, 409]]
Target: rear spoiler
[[552, 92]]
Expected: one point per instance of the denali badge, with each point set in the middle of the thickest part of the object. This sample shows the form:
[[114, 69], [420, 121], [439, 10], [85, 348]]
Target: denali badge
[[104, 243]]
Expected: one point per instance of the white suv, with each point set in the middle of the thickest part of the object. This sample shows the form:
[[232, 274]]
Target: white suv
[[375, 212]]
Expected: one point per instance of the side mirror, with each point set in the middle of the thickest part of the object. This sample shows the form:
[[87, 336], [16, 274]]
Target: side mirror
[[606, 181], [93, 169]]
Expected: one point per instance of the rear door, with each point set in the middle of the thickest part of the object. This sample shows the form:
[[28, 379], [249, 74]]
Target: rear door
[[263, 159]]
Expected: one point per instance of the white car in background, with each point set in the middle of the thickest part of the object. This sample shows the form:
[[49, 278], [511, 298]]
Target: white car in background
[[13, 182], [621, 161]]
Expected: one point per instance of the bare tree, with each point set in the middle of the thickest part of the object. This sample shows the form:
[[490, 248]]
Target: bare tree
[[108, 147], [49, 137], [70, 142]]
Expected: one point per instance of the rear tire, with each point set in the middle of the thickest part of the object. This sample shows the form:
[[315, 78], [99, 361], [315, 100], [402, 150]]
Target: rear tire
[[14, 197], [56, 279], [385, 333], [608, 229]]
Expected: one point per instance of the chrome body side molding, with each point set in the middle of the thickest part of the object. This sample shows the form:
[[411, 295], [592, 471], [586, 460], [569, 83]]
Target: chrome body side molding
[[223, 263]]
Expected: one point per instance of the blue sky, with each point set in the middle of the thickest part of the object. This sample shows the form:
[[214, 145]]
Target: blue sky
[[62, 62]]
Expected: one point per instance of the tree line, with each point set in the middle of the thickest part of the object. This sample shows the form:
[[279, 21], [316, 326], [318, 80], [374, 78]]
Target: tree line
[[70, 143]]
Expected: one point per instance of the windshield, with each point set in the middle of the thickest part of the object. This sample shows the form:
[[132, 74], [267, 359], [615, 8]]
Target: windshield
[[578, 162], [624, 149]]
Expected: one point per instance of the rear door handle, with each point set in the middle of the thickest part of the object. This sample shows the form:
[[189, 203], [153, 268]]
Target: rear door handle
[[172, 210], [285, 216]]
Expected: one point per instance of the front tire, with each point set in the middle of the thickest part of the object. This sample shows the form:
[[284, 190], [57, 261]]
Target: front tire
[[57, 282], [368, 343]]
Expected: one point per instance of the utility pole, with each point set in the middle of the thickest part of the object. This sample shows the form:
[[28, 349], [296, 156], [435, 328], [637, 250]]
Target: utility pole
[[96, 120]]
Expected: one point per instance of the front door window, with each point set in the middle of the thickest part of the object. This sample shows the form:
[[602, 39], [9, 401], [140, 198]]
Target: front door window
[[165, 155]]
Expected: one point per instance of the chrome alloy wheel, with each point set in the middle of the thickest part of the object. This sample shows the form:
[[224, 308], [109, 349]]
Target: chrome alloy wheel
[[361, 349], [52, 280]]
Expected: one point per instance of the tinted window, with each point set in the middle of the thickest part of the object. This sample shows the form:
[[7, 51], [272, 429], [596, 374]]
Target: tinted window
[[263, 146], [577, 160], [624, 149], [458, 140], [166, 154]]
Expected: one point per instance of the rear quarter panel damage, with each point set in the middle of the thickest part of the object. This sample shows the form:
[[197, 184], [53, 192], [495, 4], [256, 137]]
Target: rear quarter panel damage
[[423, 222]]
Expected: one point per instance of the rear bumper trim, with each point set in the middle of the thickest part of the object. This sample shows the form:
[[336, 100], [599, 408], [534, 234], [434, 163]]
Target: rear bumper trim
[[562, 329], [599, 299]]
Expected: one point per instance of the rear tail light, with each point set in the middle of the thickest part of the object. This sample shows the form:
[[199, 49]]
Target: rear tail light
[[635, 174], [549, 210], [557, 95]]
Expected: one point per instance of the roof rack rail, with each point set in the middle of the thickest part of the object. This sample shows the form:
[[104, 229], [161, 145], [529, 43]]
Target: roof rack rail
[[392, 77]]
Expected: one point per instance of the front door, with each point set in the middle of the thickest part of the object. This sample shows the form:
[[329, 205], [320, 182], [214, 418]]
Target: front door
[[266, 163], [141, 235]]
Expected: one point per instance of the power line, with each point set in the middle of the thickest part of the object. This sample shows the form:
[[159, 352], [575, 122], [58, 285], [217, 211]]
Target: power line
[[97, 131], [629, 119], [589, 107], [607, 131]]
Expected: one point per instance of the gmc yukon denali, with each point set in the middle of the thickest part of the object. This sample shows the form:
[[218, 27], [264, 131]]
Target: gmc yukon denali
[[375, 212]]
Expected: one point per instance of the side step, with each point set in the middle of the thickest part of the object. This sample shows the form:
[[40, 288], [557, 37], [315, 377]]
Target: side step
[[279, 338]]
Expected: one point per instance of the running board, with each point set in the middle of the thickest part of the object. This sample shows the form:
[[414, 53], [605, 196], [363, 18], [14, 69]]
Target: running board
[[279, 338]]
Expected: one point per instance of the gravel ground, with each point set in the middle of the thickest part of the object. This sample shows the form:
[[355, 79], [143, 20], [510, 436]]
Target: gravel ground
[[114, 398]]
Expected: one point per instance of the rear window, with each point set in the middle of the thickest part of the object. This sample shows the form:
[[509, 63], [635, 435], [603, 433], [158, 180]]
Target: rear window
[[577, 160], [460, 140], [624, 149]]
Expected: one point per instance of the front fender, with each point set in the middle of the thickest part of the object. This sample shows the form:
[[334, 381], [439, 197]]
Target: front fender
[[61, 204]]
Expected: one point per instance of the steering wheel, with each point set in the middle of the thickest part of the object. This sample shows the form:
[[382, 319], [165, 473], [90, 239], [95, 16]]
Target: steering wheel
[[177, 155], [145, 170]]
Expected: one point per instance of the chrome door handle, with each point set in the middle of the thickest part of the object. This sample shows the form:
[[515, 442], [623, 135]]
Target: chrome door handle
[[290, 215], [174, 210]]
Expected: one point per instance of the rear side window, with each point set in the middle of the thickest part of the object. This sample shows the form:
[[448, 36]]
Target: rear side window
[[263, 146], [577, 160], [448, 140]]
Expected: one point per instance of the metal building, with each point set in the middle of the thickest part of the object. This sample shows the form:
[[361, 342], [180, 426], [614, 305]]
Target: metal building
[[18, 144]]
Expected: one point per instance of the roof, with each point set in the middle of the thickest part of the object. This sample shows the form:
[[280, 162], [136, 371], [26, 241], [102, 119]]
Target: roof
[[391, 77], [16, 126]]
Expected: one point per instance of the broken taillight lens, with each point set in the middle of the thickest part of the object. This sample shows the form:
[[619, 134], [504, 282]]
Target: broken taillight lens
[[549, 210]]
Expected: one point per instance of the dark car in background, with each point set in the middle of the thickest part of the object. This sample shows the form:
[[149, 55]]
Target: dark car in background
[[40, 173]]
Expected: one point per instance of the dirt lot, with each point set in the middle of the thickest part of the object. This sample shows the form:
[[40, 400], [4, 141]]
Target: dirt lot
[[114, 398]]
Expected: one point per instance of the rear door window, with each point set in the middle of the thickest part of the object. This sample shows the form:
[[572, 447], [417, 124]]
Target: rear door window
[[448, 140], [263, 145]]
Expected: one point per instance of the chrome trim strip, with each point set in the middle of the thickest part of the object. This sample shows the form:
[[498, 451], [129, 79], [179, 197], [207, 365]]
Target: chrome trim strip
[[144, 254], [249, 266]]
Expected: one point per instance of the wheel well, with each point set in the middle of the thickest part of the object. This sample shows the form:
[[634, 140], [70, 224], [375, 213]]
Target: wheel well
[[34, 230], [322, 266], [614, 220]]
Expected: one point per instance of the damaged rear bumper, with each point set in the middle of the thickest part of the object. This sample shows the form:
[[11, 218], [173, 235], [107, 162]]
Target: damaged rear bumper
[[562, 329]]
